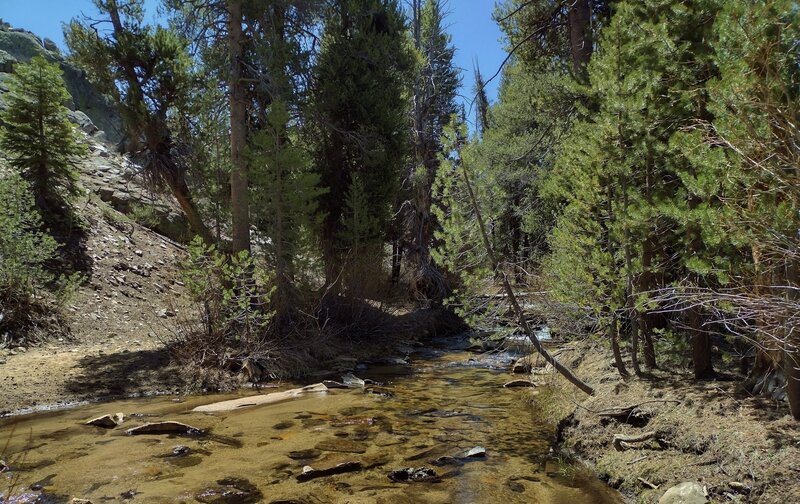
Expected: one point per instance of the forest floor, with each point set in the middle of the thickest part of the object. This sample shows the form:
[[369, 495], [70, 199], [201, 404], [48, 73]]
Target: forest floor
[[741, 448]]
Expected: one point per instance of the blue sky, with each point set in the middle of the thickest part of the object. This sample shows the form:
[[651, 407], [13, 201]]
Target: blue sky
[[475, 35]]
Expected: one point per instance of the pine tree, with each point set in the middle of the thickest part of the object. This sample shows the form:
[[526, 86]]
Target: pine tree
[[38, 136], [435, 87], [359, 109]]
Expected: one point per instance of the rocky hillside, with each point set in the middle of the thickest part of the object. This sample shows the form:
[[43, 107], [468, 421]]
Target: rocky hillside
[[91, 111]]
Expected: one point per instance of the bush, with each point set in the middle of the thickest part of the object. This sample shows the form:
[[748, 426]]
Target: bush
[[233, 299], [24, 251]]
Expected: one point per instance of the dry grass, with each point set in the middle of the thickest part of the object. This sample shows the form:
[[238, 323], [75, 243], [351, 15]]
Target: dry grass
[[711, 432]]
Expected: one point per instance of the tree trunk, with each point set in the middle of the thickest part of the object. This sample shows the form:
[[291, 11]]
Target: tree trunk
[[613, 336], [580, 37], [180, 191], [523, 321], [701, 347], [240, 211]]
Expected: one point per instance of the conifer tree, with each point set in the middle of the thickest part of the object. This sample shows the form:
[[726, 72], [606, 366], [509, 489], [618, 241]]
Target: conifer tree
[[37, 135], [359, 108], [435, 86]]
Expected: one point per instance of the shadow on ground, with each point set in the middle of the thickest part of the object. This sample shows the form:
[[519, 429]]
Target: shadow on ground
[[125, 374]]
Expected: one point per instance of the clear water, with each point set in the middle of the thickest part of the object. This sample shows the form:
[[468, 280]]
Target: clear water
[[446, 402]]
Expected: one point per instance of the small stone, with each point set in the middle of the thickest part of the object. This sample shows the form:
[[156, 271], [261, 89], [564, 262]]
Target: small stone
[[413, 475], [138, 253], [180, 451], [107, 421], [80, 501]]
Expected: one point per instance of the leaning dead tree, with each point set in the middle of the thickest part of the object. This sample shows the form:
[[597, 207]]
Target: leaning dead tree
[[522, 319]]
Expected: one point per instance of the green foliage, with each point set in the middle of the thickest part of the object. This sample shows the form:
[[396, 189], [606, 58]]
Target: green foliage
[[285, 193], [234, 296], [360, 105], [37, 136], [24, 248]]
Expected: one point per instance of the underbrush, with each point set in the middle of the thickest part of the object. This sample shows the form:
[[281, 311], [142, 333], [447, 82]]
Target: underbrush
[[240, 330], [31, 292]]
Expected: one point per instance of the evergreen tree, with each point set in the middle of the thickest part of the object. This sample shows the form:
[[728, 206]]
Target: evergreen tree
[[359, 106], [38, 136], [435, 87]]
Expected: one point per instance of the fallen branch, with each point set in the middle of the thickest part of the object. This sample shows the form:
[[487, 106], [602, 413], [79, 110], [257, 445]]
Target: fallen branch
[[622, 442], [638, 459], [523, 321], [647, 483]]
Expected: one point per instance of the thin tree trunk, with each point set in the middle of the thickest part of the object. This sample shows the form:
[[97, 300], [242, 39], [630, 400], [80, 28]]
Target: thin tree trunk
[[240, 211], [563, 370], [613, 336]]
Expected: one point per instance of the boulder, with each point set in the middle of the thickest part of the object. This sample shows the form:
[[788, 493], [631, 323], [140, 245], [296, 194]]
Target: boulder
[[82, 121], [685, 493], [107, 421], [310, 473], [168, 427], [523, 365], [80, 501]]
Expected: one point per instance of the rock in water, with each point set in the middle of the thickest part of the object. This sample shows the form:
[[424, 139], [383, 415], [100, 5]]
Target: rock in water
[[519, 384], [413, 475], [522, 366], [477, 452], [310, 473], [107, 421], [342, 446], [168, 427], [684, 493]]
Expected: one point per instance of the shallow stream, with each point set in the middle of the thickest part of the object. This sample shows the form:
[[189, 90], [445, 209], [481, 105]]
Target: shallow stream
[[445, 403]]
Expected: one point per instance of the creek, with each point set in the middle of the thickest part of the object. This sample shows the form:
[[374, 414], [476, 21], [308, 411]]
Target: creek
[[430, 413]]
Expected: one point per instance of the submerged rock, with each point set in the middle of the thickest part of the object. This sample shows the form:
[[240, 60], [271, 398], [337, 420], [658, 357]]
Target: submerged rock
[[519, 384], [230, 491], [168, 427], [311, 453], [310, 473], [413, 475], [107, 421], [684, 493], [342, 446]]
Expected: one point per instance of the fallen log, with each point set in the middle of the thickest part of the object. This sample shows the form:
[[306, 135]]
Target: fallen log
[[260, 400]]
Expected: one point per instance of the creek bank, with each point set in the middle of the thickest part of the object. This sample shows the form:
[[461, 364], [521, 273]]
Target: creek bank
[[644, 436]]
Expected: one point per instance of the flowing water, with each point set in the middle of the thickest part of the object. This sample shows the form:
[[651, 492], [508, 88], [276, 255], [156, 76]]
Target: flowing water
[[446, 403]]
